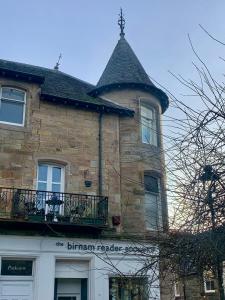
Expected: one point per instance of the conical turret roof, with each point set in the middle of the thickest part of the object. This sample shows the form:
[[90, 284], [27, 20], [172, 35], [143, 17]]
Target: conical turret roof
[[123, 67], [124, 70]]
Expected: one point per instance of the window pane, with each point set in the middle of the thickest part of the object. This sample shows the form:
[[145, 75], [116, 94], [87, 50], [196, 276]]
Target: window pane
[[210, 286], [42, 172], [13, 94], [147, 123], [151, 184], [146, 137], [151, 211], [128, 289], [42, 186], [11, 112], [148, 126], [56, 174], [146, 112], [56, 187]]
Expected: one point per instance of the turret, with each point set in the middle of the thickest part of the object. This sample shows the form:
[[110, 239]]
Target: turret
[[142, 169]]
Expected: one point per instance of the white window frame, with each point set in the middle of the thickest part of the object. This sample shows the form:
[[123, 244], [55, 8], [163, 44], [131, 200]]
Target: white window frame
[[24, 105], [176, 290], [49, 182], [154, 130], [159, 207], [205, 285], [49, 176]]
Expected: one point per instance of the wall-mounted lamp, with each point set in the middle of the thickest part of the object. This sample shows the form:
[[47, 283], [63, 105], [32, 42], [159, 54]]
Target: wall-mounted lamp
[[88, 183]]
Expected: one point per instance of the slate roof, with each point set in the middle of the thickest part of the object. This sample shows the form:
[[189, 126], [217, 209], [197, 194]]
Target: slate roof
[[125, 70], [123, 66], [58, 86]]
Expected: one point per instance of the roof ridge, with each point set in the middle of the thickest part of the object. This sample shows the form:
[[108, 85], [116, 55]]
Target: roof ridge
[[26, 64], [48, 69]]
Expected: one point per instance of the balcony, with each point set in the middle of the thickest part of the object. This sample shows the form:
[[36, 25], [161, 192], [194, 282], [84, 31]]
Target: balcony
[[33, 206]]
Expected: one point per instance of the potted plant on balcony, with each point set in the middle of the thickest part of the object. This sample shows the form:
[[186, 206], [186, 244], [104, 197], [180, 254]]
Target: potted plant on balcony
[[18, 205], [63, 219], [88, 217], [37, 216], [50, 217]]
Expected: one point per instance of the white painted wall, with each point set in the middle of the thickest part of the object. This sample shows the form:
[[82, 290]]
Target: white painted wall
[[96, 265]]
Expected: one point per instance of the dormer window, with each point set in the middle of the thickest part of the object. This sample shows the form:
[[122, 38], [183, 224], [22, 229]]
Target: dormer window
[[148, 125], [12, 106]]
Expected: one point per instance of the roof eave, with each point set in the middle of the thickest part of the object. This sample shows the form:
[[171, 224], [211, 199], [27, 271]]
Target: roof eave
[[87, 105], [158, 93]]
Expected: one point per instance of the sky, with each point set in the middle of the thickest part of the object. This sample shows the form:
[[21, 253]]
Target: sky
[[86, 32]]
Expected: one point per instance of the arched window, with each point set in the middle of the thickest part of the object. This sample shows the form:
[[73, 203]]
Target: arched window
[[50, 177], [50, 186], [12, 106]]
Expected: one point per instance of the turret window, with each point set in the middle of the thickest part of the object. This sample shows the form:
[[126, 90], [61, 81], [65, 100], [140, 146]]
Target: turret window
[[153, 210], [12, 106], [148, 125]]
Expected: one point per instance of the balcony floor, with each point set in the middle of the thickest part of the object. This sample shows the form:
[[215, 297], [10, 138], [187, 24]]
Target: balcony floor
[[15, 226]]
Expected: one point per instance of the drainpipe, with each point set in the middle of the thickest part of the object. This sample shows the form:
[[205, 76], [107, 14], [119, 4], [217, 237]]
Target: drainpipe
[[100, 147]]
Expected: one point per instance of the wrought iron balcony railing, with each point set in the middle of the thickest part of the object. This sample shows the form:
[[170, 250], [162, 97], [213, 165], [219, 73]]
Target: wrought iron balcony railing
[[42, 206]]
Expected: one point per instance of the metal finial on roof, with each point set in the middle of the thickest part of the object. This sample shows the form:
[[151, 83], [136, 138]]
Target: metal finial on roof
[[121, 23], [56, 67]]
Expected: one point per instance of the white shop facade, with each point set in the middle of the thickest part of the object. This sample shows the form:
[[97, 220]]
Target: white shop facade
[[45, 268]]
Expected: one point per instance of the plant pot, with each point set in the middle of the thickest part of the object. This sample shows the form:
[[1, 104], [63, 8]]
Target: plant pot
[[36, 218], [50, 217], [63, 219], [88, 183], [92, 221]]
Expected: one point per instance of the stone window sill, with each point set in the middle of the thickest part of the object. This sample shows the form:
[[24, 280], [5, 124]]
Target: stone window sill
[[14, 128]]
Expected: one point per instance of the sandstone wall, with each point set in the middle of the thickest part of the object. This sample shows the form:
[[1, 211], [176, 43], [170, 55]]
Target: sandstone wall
[[60, 134], [137, 158]]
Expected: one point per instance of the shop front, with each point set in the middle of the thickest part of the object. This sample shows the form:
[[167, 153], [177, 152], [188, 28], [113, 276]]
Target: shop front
[[37, 268]]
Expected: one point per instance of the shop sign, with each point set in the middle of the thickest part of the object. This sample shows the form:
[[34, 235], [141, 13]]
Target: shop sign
[[102, 248], [12, 267]]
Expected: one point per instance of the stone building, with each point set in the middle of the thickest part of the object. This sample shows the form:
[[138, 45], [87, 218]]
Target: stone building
[[193, 287], [82, 181]]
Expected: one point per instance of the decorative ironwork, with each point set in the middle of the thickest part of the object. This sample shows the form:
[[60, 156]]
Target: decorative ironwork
[[121, 23], [56, 67], [42, 206]]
